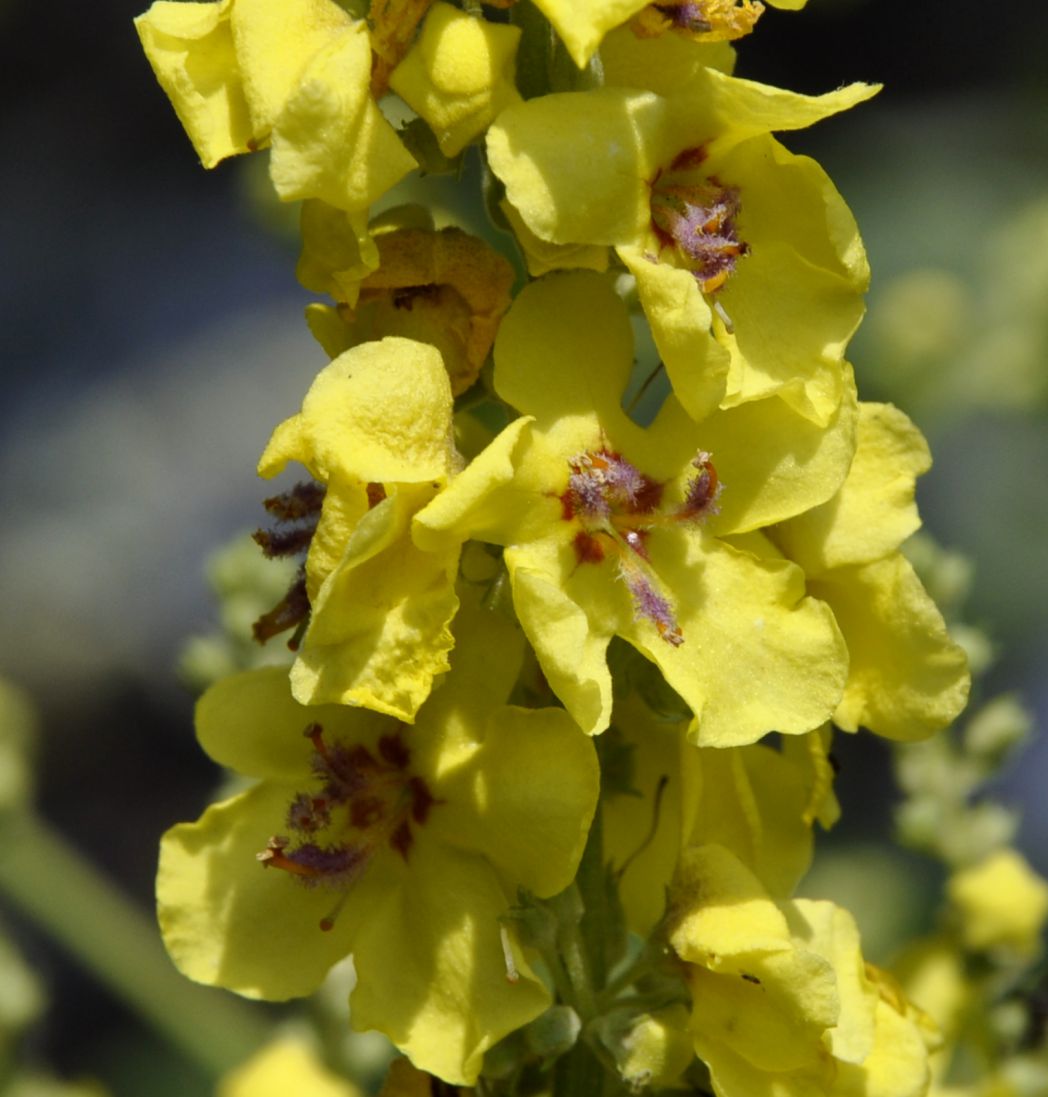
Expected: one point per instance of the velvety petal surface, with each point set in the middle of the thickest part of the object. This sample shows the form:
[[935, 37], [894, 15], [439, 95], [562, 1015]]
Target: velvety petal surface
[[331, 141], [380, 412]]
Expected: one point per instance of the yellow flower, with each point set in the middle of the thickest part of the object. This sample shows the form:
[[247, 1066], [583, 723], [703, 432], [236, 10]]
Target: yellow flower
[[245, 73], [375, 430], [459, 75], [403, 847], [782, 1003], [611, 529], [1001, 903], [748, 263], [285, 1066]]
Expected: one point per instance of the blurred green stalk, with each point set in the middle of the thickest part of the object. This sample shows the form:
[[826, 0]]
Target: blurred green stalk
[[62, 892]]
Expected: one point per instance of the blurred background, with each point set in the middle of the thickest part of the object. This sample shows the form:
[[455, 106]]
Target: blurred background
[[152, 336]]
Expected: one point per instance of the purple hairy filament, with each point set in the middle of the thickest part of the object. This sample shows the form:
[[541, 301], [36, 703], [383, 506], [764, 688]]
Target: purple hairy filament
[[296, 514], [368, 800], [617, 507], [696, 215]]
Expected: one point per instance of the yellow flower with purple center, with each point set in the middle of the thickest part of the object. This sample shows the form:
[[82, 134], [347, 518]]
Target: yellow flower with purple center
[[748, 263], [612, 529], [401, 846]]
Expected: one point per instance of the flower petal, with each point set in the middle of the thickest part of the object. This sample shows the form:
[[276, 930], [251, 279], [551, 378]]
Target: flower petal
[[190, 48], [431, 973], [907, 679], [380, 412], [331, 141], [528, 817], [251, 723], [228, 921], [379, 631], [757, 655], [874, 511], [582, 23], [459, 75], [275, 43]]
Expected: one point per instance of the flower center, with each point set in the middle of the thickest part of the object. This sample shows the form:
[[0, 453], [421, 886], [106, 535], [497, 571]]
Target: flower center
[[367, 800], [695, 214], [702, 20], [616, 507]]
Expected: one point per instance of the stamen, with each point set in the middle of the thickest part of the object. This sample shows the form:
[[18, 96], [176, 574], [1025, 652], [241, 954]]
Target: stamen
[[327, 923], [512, 975], [377, 800], [650, 605], [722, 312], [703, 490], [301, 504], [695, 214]]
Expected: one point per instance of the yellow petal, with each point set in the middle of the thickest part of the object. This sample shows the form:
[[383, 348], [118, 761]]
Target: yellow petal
[[287, 1065], [459, 75], [431, 973], [190, 47], [380, 626], [274, 44], [380, 412], [723, 912], [541, 256], [331, 141], [582, 23], [906, 679], [1002, 903], [874, 511]]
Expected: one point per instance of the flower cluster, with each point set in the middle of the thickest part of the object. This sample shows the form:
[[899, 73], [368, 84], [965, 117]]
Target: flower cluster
[[573, 544]]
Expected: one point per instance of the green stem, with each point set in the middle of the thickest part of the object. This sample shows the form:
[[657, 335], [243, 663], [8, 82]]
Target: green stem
[[51, 883]]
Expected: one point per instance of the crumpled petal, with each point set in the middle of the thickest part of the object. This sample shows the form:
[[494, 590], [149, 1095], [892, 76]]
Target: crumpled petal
[[275, 43], [380, 626], [331, 141], [459, 75], [379, 413], [190, 47], [338, 251], [445, 288]]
